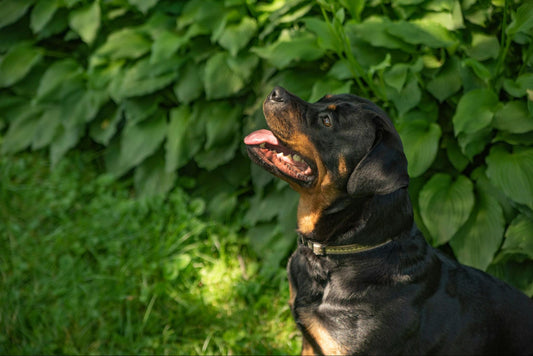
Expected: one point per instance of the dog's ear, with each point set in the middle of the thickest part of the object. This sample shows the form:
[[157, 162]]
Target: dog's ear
[[383, 169]]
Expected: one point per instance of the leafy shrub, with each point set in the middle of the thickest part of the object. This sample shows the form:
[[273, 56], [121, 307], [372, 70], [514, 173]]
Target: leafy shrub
[[168, 89]]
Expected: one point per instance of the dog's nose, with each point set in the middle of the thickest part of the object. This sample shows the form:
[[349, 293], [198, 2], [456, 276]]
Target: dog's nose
[[278, 94]]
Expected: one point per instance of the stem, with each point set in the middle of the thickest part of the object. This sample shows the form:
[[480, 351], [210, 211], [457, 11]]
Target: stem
[[505, 41], [361, 77]]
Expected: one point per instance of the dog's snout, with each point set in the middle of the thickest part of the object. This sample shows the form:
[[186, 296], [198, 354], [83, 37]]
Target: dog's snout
[[278, 94]]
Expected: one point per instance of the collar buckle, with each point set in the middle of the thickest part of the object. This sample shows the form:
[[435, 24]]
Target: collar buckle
[[318, 249]]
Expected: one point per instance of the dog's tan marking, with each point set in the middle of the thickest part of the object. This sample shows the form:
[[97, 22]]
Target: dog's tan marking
[[332, 107], [313, 200], [343, 170], [328, 345], [292, 294], [307, 349]]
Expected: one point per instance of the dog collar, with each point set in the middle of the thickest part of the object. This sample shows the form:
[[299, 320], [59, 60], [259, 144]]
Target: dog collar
[[323, 250]]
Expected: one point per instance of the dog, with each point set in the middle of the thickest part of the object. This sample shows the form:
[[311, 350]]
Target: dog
[[363, 280]]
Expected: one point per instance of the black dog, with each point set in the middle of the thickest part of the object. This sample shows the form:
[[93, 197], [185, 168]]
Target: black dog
[[363, 279]]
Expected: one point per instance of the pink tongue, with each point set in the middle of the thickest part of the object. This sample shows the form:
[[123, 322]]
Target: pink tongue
[[261, 136]]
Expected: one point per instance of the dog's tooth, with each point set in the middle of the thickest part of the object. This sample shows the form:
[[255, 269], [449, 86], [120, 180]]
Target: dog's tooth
[[262, 145], [296, 158]]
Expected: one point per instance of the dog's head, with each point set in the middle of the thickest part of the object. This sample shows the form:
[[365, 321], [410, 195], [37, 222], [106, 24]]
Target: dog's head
[[341, 147]]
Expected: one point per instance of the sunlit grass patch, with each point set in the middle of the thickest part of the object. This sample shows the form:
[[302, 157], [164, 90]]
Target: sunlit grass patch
[[86, 268]]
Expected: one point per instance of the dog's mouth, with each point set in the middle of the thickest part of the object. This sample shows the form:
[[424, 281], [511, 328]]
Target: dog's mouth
[[268, 151]]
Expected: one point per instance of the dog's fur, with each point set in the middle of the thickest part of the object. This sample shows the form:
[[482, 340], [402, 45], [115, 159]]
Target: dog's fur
[[396, 294]]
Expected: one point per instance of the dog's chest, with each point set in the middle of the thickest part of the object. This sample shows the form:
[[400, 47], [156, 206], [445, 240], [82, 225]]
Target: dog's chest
[[310, 293]]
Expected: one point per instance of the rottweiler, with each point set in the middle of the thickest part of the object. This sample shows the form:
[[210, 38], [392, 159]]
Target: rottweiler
[[363, 280]]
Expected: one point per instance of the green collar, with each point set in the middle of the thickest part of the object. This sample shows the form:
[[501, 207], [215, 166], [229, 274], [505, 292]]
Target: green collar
[[323, 250]]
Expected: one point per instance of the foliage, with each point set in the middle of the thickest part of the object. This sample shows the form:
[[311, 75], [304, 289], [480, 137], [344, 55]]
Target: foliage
[[87, 269], [169, 88]]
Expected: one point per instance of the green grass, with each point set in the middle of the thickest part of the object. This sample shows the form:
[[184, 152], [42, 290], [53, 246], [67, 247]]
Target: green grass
[[85, 268]]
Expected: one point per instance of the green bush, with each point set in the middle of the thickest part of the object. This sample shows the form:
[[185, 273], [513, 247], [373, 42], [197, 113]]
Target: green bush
[[167, 89]]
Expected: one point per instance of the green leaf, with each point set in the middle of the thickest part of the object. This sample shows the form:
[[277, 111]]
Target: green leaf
[[21, 130], [514, 117], [447, 82], [519, 87], [422, 32], [517, 273], [47, 127], [375, 30], [222, 121], [206, 14], [483, 47], [450, 17], [522, 19], [512, 173], [235, 37], [244, 65], [138, 109], [55, 77], [189, 84], [86, 21], [178, 147], [421, 142], [138, 142], [325, 33], [42, 13], [66, 138], [263, 209], [455, 156], [151, 179], [474, 143], [409, 96], [329, 86], [396, 76], [222, 205], [143, 5], [12, 10], [479, 69], [165, 45], [81, 106], [144, 78], [105, 126], [518, 237], [445, 205], [355, 7], [476, 243], [475, 111], [289, 48], [218, 155], [125, 43], [17, 63], [219, 80]]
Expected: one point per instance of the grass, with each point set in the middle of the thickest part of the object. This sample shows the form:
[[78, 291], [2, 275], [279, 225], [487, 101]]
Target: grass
[[86, 268]]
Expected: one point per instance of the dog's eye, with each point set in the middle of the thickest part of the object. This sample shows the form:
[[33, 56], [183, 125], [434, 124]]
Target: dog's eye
[[326, 120]]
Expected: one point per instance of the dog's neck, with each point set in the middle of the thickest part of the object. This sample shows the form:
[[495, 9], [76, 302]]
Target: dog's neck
[[358, 221]]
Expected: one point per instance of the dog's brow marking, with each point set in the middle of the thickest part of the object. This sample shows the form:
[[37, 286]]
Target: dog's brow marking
[[332, 107]]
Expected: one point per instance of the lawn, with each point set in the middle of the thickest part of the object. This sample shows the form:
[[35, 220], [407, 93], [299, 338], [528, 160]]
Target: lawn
[[87, 268]]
